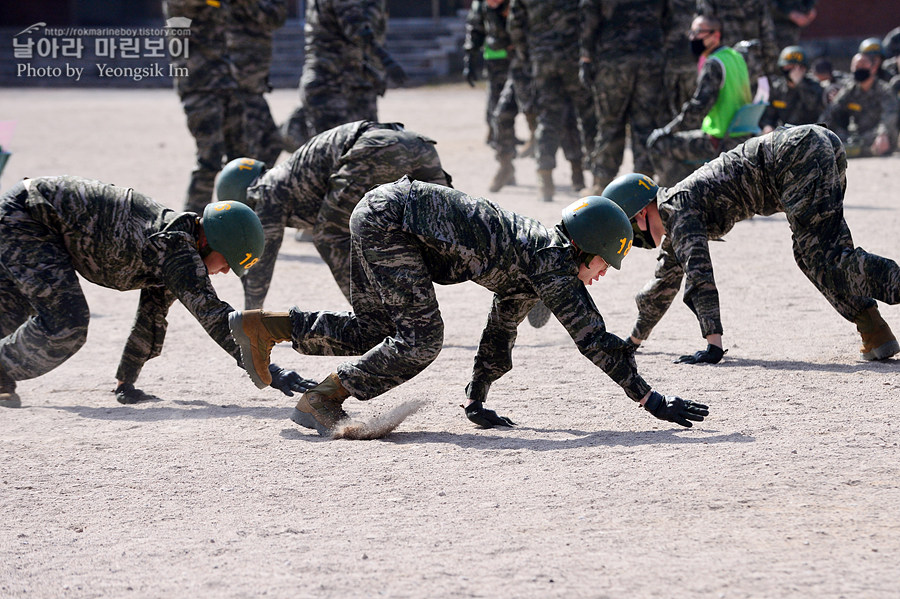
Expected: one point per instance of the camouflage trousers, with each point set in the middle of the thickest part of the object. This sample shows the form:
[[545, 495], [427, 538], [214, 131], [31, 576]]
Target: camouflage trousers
[[395, 325], [329, 101], [379, 156], [497, 75], [556, 87], [205, 113], [43, 312], [679, 84], [515, 96], [250, 129], [677, 155], [625, 93]]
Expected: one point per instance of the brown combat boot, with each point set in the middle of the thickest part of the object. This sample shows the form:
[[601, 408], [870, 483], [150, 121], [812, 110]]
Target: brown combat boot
[[320, 407], [256, 341], [506, 175], [577, 176], [8, 396], [527, 150], [879, 342], [545, 179]]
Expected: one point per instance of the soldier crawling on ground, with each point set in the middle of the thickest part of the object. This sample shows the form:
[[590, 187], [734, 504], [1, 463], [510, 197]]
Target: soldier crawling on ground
[[409, 235], [55, 228], [800, 171]]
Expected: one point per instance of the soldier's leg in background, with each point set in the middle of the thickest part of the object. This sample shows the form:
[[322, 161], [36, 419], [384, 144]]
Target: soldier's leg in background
[[572, 147], [551, 103], [613, 89], [42, 271], [497, 74], [503, 127], [679, 83], [524, 95], [677, 155], [324, 99], [294, 132], [205, 113], [260, 133], [645, 110]]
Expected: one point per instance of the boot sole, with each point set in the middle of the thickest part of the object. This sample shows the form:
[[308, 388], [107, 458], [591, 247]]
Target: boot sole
[[308, 421], [235, 323], [883, 351], [539, 315]]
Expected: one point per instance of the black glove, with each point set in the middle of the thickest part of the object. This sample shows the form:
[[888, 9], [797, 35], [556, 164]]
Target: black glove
[[674, 409], [631, 344], [487, 418], [127, 394], [394, 71], [470, 73], [288, 381], [586, 74], [711, 355]]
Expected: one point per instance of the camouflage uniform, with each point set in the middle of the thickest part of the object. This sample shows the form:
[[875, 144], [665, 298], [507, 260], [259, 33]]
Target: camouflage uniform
[[321, 183], [798, 105], [623, 39], [409, 236], [787, 33], [546, 32], [204, 92], [486, 28], [249, 122], [340, 36], [680, 73], [859, 116], [747, 20], [680, 151], [54, 227], [365, 90], [800, 171]]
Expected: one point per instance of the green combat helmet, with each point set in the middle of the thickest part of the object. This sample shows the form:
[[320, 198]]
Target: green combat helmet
[[236, 177], [631, 192], [598, 227], [234, 230], [792, 55], [871, 46]]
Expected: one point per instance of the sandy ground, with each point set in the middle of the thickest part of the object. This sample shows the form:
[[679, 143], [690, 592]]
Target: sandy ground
[[791, 488]]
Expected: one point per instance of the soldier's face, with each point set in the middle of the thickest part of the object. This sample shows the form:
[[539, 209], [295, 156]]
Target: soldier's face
[[216, 263], [593, 271]]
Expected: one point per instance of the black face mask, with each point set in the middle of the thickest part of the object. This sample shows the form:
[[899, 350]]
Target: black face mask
[[642, 239], [698, 47], [861, 74]]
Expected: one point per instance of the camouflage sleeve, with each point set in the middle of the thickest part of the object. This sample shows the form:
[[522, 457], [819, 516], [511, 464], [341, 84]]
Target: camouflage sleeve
[[517, 26], [591, 18], [271, 212], [573, 306], [657, 295], [709, 82], [475, 33], [494, 356], [185, 276], [890, 106], [147, 333]]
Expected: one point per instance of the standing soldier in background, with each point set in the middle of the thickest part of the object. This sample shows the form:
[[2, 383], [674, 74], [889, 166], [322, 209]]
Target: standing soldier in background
[[341, 36], [864, 112], [546, 33], [53, 229], [318, 187], [722, 88], [406, 237], [795, 98], [800, 171], [790, 17], [621, 62], [680, 74], [205, 82], [747, 20], [249, 121]]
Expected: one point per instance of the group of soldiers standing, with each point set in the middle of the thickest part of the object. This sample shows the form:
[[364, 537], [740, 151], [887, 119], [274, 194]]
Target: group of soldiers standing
[[600, 71]]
